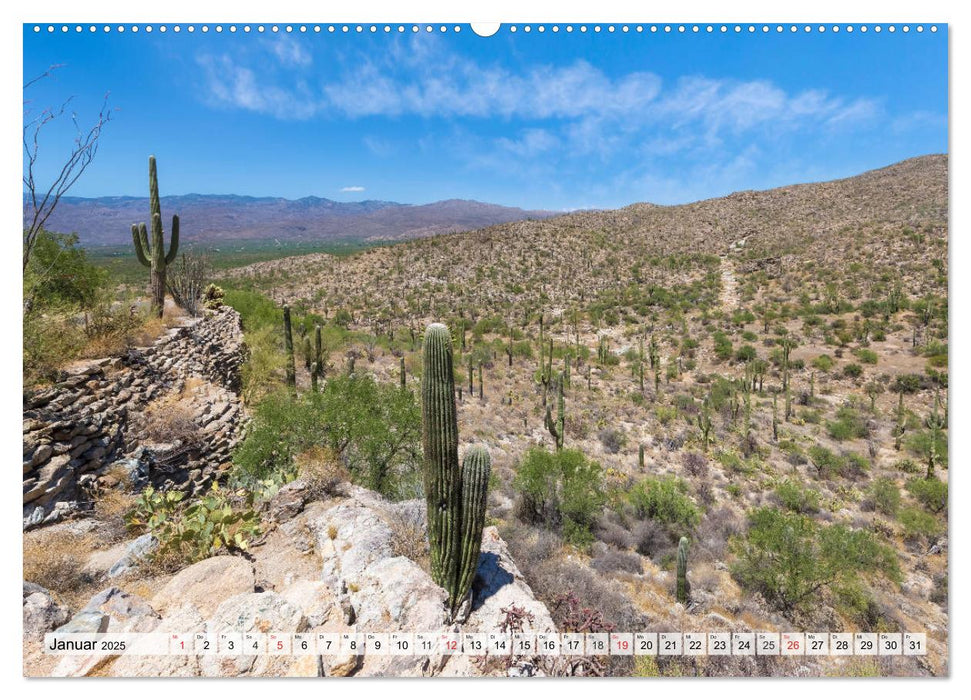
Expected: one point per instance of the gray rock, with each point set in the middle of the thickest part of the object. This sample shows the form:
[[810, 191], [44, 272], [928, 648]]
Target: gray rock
[[288, 501], [41, 612], [86, 622], [126, 612]]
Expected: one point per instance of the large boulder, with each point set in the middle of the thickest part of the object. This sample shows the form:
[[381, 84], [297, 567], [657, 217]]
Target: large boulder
[[206, 584], [183, 620], [253, 612]]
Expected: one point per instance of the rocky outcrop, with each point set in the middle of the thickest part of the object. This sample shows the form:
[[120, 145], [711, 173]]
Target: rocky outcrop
[[353, 580], [87, 421]]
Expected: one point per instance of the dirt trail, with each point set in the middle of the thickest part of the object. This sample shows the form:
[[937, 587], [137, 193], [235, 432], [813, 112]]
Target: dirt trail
[[729, 287]]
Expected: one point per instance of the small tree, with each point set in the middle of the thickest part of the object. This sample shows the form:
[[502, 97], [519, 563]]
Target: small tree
[[40, 202], [790, 559]]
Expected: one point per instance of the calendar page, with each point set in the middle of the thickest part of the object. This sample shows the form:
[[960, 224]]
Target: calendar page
[[543, 349]]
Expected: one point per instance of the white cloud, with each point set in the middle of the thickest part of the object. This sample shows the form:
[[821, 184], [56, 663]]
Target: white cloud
[[231, 85], [573, 110], [290, 52], [352, 188]]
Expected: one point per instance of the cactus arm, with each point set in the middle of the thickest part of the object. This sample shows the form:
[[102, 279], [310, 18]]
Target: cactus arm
[[140, 239], [173, 240], [475, 486]]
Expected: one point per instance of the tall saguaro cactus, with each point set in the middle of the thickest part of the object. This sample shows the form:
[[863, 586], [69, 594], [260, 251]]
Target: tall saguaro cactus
[[456, 497], [557, 427], [288, 345], [684, 588], [153, 256]]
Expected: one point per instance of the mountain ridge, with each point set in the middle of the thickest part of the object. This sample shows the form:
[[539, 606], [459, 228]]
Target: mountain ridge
[[218, 218]]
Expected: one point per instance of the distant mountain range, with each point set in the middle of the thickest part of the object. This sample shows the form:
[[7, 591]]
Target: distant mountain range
[[220, 218]]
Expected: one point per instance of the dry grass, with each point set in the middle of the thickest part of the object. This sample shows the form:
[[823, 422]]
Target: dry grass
[[54, 559], [408, 537], [111, 508], [322, 471], [169, 419]]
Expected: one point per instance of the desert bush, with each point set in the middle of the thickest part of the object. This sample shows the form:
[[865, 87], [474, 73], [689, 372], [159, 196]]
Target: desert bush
[[885, 496], [612, 440], [111, 508], [186, 279], [169, 420], [930, 493], [321, 470], [613, 533], [824, 363], [867, 357], [907, 384], [918, 524], [790, 559], [853, 371], [264, 363], [928, 443], [849, 425], [723, 345], [611, 559], [746, 353], [55, 560], [665, 500], [712, 535], [797, 498], [374, 429], [562, 489], [695, 463], [409, 538]]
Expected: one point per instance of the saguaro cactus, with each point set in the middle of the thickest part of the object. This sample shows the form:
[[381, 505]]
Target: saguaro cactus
[[288, 344], [456, 497], [153, 256], [556, 428], [684, 588]]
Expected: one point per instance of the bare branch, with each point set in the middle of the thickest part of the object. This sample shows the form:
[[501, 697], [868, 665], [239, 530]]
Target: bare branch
[[39, 204]]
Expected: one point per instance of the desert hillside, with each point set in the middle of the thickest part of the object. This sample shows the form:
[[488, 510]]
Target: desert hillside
[[731, 368], [725, 416]]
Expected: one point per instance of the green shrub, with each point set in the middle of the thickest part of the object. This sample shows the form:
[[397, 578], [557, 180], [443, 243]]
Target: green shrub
[[797, 498], [59, 274], [930, 493], [885, 495], [746, 353], [561, 490], [849, 425], [867, 357], [790, 559], [723, 346], [665, 500], [907, 384], [919, 524], [829, 464], [374, 429], [824, 363], [853, 371]]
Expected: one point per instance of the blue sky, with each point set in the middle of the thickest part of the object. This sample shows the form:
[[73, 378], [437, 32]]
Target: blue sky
[[554, 121]]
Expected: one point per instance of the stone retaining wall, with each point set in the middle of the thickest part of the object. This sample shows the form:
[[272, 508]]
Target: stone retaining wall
[[88, 421]]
